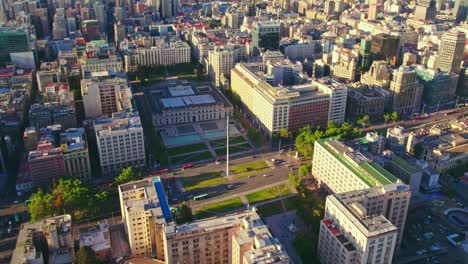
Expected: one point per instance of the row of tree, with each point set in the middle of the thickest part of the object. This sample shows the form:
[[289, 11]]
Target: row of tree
[[306, 138]]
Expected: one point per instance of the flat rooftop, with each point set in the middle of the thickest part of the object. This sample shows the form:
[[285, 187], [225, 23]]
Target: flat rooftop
[[368, 171], [405, 165]]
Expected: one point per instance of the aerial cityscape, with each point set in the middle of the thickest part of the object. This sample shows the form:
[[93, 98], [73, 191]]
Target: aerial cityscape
[[234, 132]]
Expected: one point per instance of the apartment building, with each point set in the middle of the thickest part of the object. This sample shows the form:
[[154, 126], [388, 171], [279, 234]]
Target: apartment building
[[120, 142], [145, 212], [275, 107], [105, 96], [338, 168], [75, 154], [55, 232]]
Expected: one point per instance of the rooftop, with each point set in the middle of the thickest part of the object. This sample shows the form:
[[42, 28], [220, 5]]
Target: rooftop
[[405, 165], [368, 171]]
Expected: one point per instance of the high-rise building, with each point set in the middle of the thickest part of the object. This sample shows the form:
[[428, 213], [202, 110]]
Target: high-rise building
[[119, 32], [145, 212], [221, 61], [265, 35], [101, 15], [425, 10], [276, 107], [451, 49], [462, 88], [460, 10], [90, 29], [385, 47], [12, 40], [168, 8], [405, 91], [105, 96], [60, 25], [338, 168], [365, 54], [120, 142], [355, 230]]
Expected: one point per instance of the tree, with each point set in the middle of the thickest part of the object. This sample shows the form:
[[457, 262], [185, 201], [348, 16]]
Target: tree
[[363, 120], [184, 214], [305, 169], [394, 116], [386, 117], [86, 255], [284, 133], [418, 149], [128, 175], [294, 180], [41, 205]]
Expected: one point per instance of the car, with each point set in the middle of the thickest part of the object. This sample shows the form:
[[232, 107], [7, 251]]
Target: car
[[266, 175], [419, 252], [161, 171], [230, 186]]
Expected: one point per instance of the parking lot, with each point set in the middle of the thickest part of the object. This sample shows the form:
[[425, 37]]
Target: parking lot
[[425, 239]]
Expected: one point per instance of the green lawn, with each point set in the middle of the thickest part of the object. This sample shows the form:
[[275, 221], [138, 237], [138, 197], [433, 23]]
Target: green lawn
[[218, 208], [249, 169], [268, 194], [232, 141], [187, 149], [202, 180], [274, 208], [232, 149], [204, 155]]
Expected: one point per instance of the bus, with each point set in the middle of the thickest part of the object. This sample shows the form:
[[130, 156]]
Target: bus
[[200, 197]]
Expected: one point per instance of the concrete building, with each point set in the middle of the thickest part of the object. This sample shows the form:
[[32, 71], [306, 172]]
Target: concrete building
[[386, 47], [120, 142], [344, 69], [338, 168], [221, 61], [439, 87], [90, 29], [282, 72], [60, 25], [276, 107], [397, 137], [55, 232], [425, 10], [52, 113], [181, 102], [366, 100], [75, 154], [364, 226], [265, 35], [145, 212], [48, 73], [405, 91], [46, 164], [460, 10], [30, 138], [236, 238], [378, 74], [162, 52], [404, 170], [451, 50], [105, 96], [98, 238]]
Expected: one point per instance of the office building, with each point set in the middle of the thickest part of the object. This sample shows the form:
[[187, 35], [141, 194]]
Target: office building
[[397, 137], [404, 170], [405, 91], [462, 87], [75, 154], [338, 168], [43, 115], [221, 61], [378, 74], [282, 72], [90, 29], [345, 66], [385, 47], [439, 87], [30, 138], [60, 25], [236, 238], [265, 36], [145, 212], [46, 164], [460, 10], [105, 96], [355, 230], [54, 234], [451, 50], [365, 54], [425, 10], [48, 73], [182, 102], [120, 142], [168, 8], [366, 100], [276, 107], [12, 39]]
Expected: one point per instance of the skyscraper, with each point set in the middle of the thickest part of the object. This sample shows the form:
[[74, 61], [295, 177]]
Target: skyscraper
[[385, 47], [60, 25], [221, 61], [451, 51], [405, 91], [168, 8], [460, 10], [12, 40], [425, 10]]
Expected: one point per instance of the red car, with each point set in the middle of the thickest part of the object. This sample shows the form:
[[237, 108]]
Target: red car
[[161, 171], [188, 166], [220, 159]]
